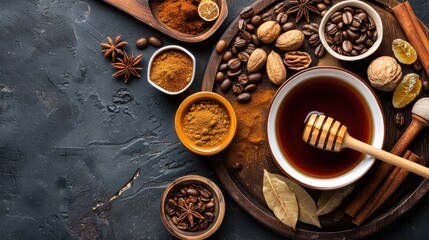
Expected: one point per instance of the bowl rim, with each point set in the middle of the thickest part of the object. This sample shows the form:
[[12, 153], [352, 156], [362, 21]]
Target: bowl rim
[[197, 97], [167, 48], [377, 140], [370, 11], [216, 193]]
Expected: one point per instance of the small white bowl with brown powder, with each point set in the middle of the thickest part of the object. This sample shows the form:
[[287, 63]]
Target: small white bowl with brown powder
[[171, 69]]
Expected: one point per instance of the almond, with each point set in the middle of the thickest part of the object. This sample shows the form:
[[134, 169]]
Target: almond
[[276, 70], [256, 60]]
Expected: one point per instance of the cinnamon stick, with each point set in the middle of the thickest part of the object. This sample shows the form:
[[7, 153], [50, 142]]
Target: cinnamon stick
[[390, 185], [412, 28]]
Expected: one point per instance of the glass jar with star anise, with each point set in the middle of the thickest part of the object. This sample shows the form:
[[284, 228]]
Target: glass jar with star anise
[[192, 207]]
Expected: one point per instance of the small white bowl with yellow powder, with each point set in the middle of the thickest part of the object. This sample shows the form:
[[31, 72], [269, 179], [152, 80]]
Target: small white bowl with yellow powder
[[205, 123], [171, 69]]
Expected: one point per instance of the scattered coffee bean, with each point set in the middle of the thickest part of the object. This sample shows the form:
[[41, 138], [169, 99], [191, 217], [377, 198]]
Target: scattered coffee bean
[[319, 51], [255, 77], [321, 7], [227, 56], [243, 98], [220, 46], [155, 41], [256, 20], [234, 63], [399, 119], [250, 88], [268, 16], [282, 18], [142, 43], [220, 76], [426, 86], [223, 67], [243, 79], [417, 65], [240, 44], [246, 13], [245, 35], [288, 26], [243, 56], [225, 85], [234, 73], [255, 40], [280, 7], [237, 88], [250, 28], [242, 25]]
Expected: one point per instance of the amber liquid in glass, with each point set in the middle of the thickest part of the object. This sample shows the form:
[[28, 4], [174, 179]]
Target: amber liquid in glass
[[335, 99]]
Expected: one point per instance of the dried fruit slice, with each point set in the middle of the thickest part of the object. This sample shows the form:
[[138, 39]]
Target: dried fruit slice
[[404, 51], [407, 90], [208, 10]]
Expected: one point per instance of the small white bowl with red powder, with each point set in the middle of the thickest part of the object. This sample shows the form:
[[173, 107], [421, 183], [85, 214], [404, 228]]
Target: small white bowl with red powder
[[171, 69]]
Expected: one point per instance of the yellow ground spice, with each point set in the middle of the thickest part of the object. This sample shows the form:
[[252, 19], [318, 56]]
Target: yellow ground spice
[[206, 123], [171, 70]]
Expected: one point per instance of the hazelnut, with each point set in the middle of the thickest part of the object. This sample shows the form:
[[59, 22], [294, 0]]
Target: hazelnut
[[384, 73]]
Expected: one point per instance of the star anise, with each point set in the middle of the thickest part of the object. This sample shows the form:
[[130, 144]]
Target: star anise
[[302, 7], [127, 66], [188, 211], [113, 48]]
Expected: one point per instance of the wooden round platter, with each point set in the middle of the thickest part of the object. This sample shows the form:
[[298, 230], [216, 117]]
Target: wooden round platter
[[145, 11], [244, 184]]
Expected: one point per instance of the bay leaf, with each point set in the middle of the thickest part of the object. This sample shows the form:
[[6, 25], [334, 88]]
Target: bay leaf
[[280, 199], [307, 206], [331, 199]]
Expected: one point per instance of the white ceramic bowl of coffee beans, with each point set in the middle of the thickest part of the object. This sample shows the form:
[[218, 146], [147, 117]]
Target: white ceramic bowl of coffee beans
[[351, 30], [199, 194]]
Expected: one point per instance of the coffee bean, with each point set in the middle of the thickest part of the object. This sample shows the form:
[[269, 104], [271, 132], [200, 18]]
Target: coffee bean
[[243, 98], [369, 42], [250, 88], [361, 38], [155, 41], [234, 73], [347, 17], [314, 40], [356, 22], [307, 32], [280, 7], [234, 51], [234, 63], [255, 77], [256, 20], [340, 25], [425, 86], [331, 29], [255, 40], [399, 119], [223, 67], [371, 25], [319, 51], [349, 9], [240, 44], [323, 13], [268, 16], [243, 79], [354, 52], [329, 39], [288, 26], [352, 34], [362, 15], [250, 28], [336, 17], [250, 48], [220, 76], [338, 38], [374, 36], [247, 12], [241, 25], [358, 47], [327, 2], [321, 7], [227, 56], [237, 89], [347, 46], [417, 65], [220, 46], [245, 35], [142, 43], [243, 56], [311, 28], [282, 17], [225, 85]]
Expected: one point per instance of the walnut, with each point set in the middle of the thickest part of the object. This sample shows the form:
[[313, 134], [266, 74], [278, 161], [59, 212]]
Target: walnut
[[268, 31], [297, 60], [384, 73], [290, 40]]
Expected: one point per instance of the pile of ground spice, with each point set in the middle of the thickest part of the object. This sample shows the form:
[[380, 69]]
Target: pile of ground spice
[[181, 15], [206, 123], [171, 70]]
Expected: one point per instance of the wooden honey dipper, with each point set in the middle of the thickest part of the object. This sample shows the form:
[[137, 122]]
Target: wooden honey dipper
[[328, 134]]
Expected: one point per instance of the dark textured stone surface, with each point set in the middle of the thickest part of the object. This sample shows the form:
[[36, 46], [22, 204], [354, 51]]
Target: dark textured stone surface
[[71, 135]]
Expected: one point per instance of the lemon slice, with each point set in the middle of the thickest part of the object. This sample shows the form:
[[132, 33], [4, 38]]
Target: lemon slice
[[208, 10], [404, 51], [407, 90]]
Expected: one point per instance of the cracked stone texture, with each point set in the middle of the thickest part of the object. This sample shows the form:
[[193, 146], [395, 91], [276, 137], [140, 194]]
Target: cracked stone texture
[[71, 135]]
